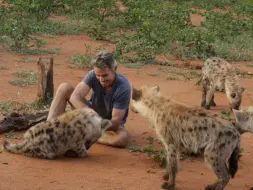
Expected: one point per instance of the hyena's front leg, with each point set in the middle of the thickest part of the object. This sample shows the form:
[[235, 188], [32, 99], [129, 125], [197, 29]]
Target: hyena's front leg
[[212, 101], [204, 92], [81, 150], [171, 169], [210, 96]]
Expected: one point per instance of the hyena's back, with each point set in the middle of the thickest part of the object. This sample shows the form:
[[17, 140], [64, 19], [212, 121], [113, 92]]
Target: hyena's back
[[215, 70]]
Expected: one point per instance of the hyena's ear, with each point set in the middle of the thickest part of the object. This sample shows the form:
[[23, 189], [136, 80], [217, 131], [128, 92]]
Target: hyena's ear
[[136, 94], [242, 90], [239, 116], [155, 89], [105, 124]]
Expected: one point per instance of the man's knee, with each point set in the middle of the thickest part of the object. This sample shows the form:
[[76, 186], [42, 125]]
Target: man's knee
[[65, 89]]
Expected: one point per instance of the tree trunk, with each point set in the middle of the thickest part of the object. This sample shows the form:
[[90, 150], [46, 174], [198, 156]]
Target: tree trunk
[[45, 82]]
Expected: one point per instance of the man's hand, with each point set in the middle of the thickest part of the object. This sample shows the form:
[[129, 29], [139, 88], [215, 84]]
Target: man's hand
[[117, 116]]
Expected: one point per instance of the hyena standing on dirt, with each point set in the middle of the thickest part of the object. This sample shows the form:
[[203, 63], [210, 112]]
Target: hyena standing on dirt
[[75, 130], [219, 74], [181, 128]]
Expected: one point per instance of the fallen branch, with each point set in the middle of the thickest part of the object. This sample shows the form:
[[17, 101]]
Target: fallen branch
[[16, 121]]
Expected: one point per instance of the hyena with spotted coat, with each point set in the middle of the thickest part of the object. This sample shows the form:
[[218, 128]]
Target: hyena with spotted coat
[[218, 74], [75, 130], [181, 128]]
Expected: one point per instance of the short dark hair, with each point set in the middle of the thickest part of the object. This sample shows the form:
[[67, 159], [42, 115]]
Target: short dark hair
[[103, 60]]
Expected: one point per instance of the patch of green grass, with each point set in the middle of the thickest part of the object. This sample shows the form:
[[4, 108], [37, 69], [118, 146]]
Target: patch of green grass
[[3, 68], [226, 115], [172, 77], [1, 149], [69, 27], [158, 155], [150, 140], [80, 61], [10, 135], [26, 60], [153, 74], [7, 107], [173, 73], [28, 51], [137, 65], [27, 78], [249, 65]]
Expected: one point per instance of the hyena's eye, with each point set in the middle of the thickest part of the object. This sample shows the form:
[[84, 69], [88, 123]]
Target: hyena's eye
[[233, 95]]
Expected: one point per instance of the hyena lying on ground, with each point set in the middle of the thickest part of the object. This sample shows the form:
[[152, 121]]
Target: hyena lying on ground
[[218, 74], [181, 128], [75, 130]]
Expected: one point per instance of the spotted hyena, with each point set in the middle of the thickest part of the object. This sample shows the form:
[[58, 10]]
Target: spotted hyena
[[218, 74], [75, 130], [181, 128]]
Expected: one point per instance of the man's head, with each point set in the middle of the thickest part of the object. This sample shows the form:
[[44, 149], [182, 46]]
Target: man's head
[[105, 67]]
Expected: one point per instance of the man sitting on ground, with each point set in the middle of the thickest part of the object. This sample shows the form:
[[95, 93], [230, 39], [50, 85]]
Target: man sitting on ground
[[111, 93]]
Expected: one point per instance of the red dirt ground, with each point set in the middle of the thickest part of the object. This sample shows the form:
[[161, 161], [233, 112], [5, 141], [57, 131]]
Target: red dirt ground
[[107, 167]]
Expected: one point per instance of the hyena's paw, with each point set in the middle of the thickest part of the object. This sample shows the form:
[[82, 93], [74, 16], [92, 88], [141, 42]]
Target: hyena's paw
[[166, 177], [211, 187], [71, 153], [133, 109], [207, 107], [83, 153], [213, 104], [168, 186], [203, 103]]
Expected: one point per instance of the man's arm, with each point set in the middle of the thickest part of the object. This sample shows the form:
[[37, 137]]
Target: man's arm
[[119, 108], [79, 94], [117, 116]]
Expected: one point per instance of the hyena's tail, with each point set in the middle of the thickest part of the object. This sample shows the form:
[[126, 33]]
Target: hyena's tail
[[15, 148], [233, 161]]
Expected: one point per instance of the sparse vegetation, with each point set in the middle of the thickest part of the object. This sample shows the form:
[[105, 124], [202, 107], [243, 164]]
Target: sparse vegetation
[[7, 107], [158, 155], [3, 68], [80, 61], [10, 135], [26, 78], [1, 149], [226, 115], [147, 28], [250, 65]]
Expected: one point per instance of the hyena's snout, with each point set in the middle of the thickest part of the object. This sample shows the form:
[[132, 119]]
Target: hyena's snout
[[235, 106]]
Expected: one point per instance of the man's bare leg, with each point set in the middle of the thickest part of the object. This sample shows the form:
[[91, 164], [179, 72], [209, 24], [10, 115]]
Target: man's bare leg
[[59, 102], [117, 138]]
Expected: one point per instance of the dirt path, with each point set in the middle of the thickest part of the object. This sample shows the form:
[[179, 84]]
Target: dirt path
[[106, 167]]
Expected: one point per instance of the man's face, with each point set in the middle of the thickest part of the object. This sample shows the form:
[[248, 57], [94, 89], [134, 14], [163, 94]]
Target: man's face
[[105, 76]]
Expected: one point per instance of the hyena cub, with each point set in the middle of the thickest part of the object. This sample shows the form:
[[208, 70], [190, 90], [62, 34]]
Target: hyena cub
[[218, 74], [186, 129], [75, 130]]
